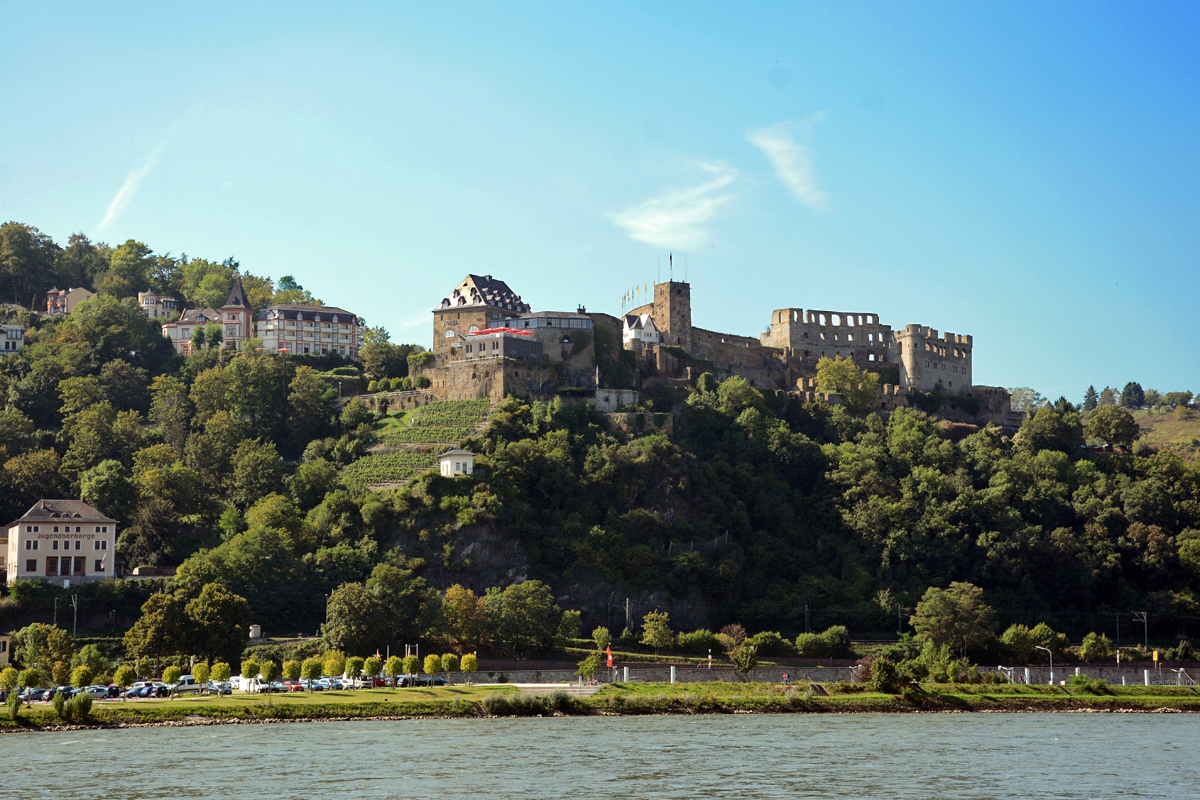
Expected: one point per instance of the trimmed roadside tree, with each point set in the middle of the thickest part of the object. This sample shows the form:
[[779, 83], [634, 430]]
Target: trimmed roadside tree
[[354, 668], [469, 664], [310, 670], [449, 664], [201, 672], [124, 677], [220, 672], [393, 668], [372, 667], [412, 665], [172, 675], [291, 670], [433, 665]]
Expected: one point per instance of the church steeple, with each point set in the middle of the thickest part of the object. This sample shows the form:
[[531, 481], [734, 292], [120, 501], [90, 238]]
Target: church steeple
[[237, 295]]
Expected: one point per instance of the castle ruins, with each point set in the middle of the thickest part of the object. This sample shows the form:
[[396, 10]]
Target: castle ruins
[[488, 342]]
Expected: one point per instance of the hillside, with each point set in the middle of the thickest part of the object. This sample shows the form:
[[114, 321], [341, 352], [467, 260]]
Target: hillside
[[409, 442], [1166, 430]]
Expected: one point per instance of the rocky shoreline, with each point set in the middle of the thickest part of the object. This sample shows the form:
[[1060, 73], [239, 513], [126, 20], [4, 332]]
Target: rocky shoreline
[[865, 706]]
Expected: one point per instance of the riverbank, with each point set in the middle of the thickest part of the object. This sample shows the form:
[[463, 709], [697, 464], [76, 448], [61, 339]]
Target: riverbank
[[613, 700]]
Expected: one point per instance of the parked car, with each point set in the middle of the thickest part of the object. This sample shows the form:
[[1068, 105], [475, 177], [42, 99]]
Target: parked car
[[293, 686], [34, 694], [310, 685], [66, 691], [186, 685], [327, 683], [97, 692], [215, 687], [114, 690], [421, 680]]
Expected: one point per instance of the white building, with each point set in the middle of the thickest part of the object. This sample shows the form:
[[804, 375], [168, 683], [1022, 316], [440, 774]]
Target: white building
[[639, 328], [13, 338], [301, 330], [457, 462], [60, 541], [157, 305]]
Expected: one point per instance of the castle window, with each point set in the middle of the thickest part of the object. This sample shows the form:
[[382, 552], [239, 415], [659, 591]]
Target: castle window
[[871, 357], [926, 363], [849, 337], [943, 367]]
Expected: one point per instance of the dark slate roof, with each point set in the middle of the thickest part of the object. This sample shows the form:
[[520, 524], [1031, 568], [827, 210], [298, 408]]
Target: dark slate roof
[[327, 313], [456, 453], [237, 295], [484, 290], [191, 316], [54, 510]]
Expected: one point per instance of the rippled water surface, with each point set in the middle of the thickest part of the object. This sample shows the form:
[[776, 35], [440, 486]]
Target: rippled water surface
[[744, 756]]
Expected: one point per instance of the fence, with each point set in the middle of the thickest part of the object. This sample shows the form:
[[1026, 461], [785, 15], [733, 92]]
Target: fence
[[1115, 676]]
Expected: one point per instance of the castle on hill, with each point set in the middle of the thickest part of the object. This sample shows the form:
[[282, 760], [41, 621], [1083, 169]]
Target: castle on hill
[[487, 342]]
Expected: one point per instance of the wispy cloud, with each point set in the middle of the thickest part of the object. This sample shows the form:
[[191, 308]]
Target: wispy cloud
[[792, 161], [675, 218], [125, 194]]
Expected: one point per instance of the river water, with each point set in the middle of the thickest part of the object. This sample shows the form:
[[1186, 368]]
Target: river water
[[741, 756]]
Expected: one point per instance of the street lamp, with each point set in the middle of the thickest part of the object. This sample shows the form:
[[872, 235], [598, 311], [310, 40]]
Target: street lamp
[[1051, 652]]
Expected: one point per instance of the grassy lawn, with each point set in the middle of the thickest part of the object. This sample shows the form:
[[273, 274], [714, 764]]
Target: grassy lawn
[[621, 698]]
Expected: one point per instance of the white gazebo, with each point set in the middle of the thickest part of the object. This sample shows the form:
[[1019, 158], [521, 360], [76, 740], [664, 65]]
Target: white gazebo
[[457, 462]]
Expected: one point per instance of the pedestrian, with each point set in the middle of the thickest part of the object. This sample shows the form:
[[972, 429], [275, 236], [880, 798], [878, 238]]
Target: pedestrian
[[786, 678]]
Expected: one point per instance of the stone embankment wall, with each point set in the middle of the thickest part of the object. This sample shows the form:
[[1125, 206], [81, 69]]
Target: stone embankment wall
[[653, 673]]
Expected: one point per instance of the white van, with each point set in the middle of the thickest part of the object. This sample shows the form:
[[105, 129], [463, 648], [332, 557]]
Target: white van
[[186, 684]]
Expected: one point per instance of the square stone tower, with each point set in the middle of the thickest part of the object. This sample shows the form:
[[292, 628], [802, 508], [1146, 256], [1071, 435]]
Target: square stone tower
[[673, 313]]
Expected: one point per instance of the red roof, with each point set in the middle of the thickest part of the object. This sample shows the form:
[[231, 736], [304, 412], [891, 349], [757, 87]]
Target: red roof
[[500, 330]]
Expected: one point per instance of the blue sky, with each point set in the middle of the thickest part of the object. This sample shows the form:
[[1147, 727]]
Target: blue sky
[[1025, 173]]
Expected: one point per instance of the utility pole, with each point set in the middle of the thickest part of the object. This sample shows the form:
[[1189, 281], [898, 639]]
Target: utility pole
[[628, 616], [75, 605], [1143, 617], [807, 629], [56, 612]]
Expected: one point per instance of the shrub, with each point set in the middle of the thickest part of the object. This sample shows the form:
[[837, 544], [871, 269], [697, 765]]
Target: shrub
[[558, 700], [14, 705], [495, 704], [79, 707], [1095, 647], [602, 637], [884, 676], [834, 642], [372, 387], [699, 642], [770, 643], [423, 382], [60, 706]]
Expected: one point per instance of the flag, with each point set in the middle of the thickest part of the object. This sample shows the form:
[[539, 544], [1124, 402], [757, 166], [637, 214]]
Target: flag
[[609, 651]]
